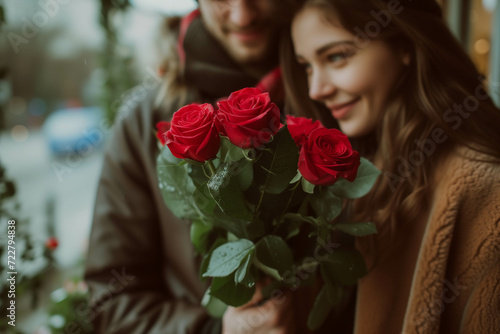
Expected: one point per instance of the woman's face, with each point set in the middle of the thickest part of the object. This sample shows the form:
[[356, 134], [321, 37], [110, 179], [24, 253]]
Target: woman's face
[[353, 81]]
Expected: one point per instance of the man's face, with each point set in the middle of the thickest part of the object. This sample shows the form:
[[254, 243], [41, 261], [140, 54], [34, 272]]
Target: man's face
[[245, 28]]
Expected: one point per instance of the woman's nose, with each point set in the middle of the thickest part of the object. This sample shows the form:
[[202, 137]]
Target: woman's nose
[[320, 85]]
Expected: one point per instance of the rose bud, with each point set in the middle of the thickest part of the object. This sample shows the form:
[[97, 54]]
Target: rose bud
[[162, 128]]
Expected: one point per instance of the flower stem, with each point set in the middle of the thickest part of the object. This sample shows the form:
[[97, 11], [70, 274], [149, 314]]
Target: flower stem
[[308, 266], [290, 199], [211, 166]]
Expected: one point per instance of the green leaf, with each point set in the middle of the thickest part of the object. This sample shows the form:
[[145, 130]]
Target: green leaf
[[296, 178], [271, 272], [307, 186], [198, 175], [250, 278], [225, 189], [206, 258], [356, 229], [304, 207], [273, 252], [214, 306], [204, 202], [201, 196], [278, 163], [326, 205], [199, 235], [168, 157], [225, 289], [288, 229], [333, 290], [307, 264], [228, 257], [193, 162], [294, 217], [244, 173], [321, 309], [229, 152], [335, 294], [323, 230], [310, 279], [345, 266], [243, 270], [365, 179], [241, 228], [274, 206], [177, 188]]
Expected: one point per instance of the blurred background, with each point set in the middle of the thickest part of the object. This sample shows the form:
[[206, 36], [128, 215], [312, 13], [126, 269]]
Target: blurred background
[[65, 68]]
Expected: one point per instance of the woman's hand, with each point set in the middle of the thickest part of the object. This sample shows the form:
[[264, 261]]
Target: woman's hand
[[274, 316]]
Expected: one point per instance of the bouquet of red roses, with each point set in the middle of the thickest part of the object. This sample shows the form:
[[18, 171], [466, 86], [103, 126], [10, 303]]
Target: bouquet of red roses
[[262, 197]]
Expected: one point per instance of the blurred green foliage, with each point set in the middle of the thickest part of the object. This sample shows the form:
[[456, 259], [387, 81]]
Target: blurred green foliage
[[118, 67]]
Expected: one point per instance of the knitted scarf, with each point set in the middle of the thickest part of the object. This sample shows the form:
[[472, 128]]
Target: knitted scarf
[[209, 68]]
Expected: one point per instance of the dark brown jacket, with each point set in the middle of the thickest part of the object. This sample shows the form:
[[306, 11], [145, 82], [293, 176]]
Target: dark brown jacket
[[140, 266]]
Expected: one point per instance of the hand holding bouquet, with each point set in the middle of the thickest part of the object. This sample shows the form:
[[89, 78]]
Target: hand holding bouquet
[[262, 196]]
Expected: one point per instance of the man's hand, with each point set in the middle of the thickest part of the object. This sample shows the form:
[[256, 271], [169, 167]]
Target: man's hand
[[273, 316]]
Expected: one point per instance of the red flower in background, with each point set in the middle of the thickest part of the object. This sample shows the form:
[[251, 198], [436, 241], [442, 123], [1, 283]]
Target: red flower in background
[[248, 118], [51, 243], [193, 134], [326, 156], [300, 128], [162, 128]]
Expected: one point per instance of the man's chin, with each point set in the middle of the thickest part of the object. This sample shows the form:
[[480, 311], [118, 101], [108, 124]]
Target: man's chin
[[246, 55]]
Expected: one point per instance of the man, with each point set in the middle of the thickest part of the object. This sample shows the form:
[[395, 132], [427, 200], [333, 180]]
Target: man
[[141, 267]]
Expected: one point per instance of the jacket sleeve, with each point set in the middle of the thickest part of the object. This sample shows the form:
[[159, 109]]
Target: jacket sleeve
[[482, 313], [126, 259], [481, 278], [482, 310]]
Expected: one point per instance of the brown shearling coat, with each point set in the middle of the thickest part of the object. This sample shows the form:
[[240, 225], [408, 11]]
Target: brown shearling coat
[[443, 273]]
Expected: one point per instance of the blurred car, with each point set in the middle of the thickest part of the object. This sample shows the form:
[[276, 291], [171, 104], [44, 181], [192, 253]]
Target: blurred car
[[74, 130]]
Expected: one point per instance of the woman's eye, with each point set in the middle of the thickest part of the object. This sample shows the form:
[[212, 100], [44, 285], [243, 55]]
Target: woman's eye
[[336, 57]]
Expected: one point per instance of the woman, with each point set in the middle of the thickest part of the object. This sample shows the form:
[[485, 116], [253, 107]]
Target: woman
[[392, 77]]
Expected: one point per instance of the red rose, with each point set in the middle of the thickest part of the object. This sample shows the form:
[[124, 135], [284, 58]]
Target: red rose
[[326, 156], [162, 127], [193, 133], [300, 128], [248, 118]]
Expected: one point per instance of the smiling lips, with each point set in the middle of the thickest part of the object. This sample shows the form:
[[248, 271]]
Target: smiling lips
[[249, 36], [340, 111]]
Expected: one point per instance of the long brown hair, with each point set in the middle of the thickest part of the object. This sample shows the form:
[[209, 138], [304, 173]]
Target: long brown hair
[[174, 92], [439, 76]]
